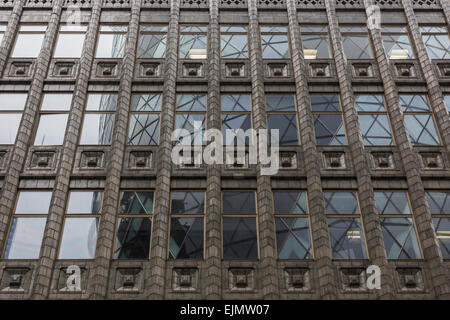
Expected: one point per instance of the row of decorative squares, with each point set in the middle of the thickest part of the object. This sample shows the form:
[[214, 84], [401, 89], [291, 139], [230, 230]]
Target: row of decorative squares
[[131, 280]]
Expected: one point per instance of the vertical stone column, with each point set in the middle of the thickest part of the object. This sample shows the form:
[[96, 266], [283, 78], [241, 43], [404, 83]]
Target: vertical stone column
[[53, 228], [98, 278], [370, 219], [10, 34], [155, 277], [433, 86], [319, 226], [266, 223], [25, 133], [422, 216], [213, 279]]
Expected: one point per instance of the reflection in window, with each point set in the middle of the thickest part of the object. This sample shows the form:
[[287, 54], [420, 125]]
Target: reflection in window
[[373, 120], [233, 42], [53, 119], [193, 42], [134, 225], [27, 229], [315, 42], [186, 225], [80, 225], [239, 225], [292, 225], [152, 42], [2, 32], [344, 225], [70, 41], [282, 115], [437, 42], [144, 119], [356, 43], [328, 122], [190, 117], [236, 115], [439, 203], [447, 101], [396, 43], [419, 120], [397, 225], [11, 107], [275, 43], [98, 120], [111, 42], [29, 41]]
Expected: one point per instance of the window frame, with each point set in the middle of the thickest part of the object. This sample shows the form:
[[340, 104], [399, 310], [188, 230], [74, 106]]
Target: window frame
[[278, 112], [132, 112], [142, 33], [232, 33], [275, 33]]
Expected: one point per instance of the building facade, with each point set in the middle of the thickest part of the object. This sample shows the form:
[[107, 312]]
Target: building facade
[[92, 206]]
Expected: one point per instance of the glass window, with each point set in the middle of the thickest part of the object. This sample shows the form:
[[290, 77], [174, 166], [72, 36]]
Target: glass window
[[11, 107], [373, 120], [419, 120], [239, 225], [344, 225], [52, 121], [236, 115], [2, 32], [186, 225], [439, 203], [144, 119], [328, 122], [70, 42], [81, 225], [111, 42], [292, 225], [98, 120], [282, 115], [193, 42], [437, 42], [275, 42], [233, 42], [397, 225], [152, 42], [190, 117], [27, 229], [29, 41], [315, 42], [396, 43], [356, 43], [134, 225]]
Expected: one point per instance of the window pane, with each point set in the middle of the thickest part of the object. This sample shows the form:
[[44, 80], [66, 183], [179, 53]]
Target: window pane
[[79, 238], [392, 202], [110, 45], [400, 238], [236, 102], [414, 103], [85, 202], [56, 102], [234, 46], [422, 130], [101, 102], [357, 47], [280, 103], [193, 46], [28, 45], [329, 129], [188, 202], [12, 101], [51, 130], [146, 102], [375, 129], [293, 239], [439, 202], [341, 203], [447, 102], [25, 238], [136, 202], [152, 46], [31, 202], [347, 238], [235, 122], [191, 102], [69, 45], [290, 202], [317, 42], [195, 126], [442, 227], [438, 46], [287, 126], [325, 102], [275, 46], [144, 129], [370, 103], [97, 129], [133, 238], [239, 202], [239, 238], [186, 238], [9, 125]]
